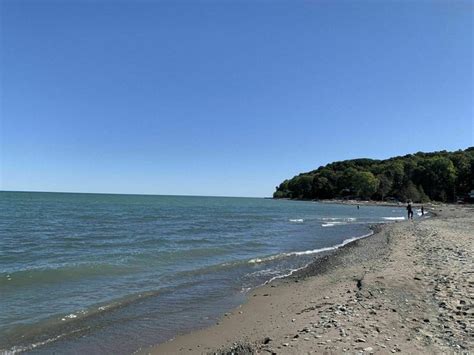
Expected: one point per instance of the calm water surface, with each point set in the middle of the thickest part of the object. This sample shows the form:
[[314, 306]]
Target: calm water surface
[[95, 273]]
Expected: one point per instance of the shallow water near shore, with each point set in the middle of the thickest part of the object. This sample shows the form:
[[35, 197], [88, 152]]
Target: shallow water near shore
[[94, 273]]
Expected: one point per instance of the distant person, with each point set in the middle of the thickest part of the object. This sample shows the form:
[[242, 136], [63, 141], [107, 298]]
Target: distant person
[[410, 210], [422, 211], [357, 206]]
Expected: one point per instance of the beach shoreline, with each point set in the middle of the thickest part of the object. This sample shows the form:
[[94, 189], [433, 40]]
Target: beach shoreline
[[352, 202], [158, 276], [379, 294]]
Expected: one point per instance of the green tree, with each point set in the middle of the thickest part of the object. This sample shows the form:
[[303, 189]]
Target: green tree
[[364, 184], [301, 186], [322, 187], [396, 172], [463, 162], [410, 192], [423, 197], [419, 177], [439, 178], [385, 186], [280, 194]]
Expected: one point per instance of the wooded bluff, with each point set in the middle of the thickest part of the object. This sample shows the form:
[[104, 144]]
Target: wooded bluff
[[420, 177]]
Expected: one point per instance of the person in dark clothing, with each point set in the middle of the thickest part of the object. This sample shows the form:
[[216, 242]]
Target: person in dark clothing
[[410, 210], [422, 211]]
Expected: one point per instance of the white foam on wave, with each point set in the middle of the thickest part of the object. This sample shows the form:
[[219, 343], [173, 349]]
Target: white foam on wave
[[20, 349], [328, 224], [297, 220], [340, 219], [307, 252], [332, 224], [315, 251], [393, 218], [268, 258], [264, 272]]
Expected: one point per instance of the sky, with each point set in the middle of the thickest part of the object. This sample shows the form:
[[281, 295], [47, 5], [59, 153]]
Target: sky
[[224, 98]]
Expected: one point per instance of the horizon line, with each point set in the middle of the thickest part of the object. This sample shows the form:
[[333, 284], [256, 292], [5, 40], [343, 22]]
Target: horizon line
[[130, 194]]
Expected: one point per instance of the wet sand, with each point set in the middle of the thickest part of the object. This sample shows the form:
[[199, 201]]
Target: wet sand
[[408, 288]]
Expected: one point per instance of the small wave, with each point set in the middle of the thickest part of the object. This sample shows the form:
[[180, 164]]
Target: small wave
[[20, 349], [299, 220], [70, 316], [268, 258], [291, 272], [341, 219], [74, 323], [306, 252], [30, 347], [264, 272], [393, 218], [332, 224], [328, 224]]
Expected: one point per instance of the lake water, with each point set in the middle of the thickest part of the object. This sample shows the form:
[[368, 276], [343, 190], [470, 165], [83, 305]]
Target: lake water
[[95, 273]]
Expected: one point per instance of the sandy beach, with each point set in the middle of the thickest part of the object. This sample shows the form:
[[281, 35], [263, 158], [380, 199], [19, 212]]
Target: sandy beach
[[407, 288]]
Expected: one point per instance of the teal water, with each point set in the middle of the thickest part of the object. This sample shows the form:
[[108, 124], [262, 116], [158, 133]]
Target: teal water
[[95, 273]]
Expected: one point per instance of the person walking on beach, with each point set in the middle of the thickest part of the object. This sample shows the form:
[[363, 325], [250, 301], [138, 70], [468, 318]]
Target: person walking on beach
[[410, 210]]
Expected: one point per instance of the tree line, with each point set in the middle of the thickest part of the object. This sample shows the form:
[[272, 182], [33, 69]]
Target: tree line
[[420, 177]]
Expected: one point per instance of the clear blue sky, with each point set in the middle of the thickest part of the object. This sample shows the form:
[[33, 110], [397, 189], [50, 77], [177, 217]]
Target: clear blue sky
[[225, 97]]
